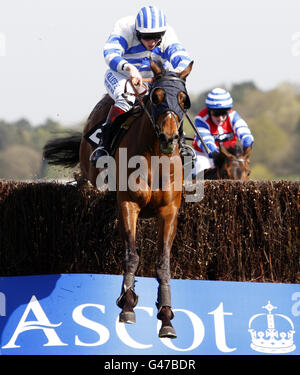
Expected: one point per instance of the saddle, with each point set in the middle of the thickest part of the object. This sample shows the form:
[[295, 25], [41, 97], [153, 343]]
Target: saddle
[[118, 128]]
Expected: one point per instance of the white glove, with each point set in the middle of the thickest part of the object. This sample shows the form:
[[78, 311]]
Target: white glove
[[134, 74]]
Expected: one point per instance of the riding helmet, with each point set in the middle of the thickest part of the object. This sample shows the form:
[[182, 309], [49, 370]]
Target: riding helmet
[[219, 99], [150, 20]]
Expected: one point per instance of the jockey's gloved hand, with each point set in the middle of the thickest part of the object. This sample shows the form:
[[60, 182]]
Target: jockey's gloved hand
[[134, 74]]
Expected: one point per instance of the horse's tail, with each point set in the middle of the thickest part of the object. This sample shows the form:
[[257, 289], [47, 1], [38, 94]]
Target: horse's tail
[[63, 151]]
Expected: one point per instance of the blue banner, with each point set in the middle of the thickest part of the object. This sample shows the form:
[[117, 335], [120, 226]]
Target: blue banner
[[77, 314]]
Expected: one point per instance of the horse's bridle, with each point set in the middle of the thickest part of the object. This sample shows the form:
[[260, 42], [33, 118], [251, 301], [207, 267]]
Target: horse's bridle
[[170, 104], [157, 127], [240, 160]]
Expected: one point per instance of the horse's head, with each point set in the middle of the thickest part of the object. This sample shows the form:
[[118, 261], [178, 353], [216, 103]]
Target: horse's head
[[233, 163], [169, 101]]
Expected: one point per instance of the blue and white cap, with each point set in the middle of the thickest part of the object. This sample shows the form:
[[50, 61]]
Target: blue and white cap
[[219, 99], [150, 19]]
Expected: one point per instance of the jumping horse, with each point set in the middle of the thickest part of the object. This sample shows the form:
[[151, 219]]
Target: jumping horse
[[156, 132]]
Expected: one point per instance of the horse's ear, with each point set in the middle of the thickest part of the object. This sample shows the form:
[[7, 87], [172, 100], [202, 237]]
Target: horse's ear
[[186, 71], [155, 68], [247, 152], [225, 152]]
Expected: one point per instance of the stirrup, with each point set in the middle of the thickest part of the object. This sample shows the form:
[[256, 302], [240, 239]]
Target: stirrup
[[97, 153], [187, 150]]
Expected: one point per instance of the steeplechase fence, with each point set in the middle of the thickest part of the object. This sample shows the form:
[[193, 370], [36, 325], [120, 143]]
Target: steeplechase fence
[[239, 231]]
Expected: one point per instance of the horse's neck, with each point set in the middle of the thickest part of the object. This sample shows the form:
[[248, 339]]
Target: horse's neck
[[145, 137]]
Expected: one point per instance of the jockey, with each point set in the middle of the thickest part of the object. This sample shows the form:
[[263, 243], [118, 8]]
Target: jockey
[[218, 122], [127, 51]]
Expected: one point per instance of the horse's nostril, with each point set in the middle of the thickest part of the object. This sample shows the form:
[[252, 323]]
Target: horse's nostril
[[163, 138]]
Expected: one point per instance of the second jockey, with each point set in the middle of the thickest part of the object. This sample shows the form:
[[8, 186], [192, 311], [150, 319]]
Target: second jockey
[[127, 53], [218, 122]]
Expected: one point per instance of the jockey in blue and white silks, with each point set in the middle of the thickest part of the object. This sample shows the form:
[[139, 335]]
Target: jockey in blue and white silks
[[130, 45], [218, 122], [127, 53]]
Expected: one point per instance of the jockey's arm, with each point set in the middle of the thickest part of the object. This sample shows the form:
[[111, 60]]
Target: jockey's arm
[[114, 58], [175, 53], [117, 45], [206, 135], [242, 130]]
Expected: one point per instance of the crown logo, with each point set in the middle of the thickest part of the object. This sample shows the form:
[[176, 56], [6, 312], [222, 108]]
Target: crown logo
[[271, 340]]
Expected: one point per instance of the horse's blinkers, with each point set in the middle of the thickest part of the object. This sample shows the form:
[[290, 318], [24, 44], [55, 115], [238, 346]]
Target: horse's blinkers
[[171, 86]]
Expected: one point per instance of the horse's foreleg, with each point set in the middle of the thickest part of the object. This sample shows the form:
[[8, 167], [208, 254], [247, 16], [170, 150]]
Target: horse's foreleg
[[167, 230], [128, 299]]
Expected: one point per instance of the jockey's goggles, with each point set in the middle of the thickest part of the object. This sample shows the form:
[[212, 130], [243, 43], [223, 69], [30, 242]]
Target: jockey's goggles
[[151, 36], [219, 112]]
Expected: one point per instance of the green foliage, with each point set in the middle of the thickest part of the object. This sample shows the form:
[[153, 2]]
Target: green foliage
[[261, 172], [21, 147], [239, 90], [19, 161], [270, 141]]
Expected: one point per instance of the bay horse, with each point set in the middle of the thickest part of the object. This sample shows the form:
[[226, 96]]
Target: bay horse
[[230, 163], [154, 134]]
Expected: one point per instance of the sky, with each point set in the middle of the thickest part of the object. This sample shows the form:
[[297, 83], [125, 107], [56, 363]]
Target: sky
[[52, 66]]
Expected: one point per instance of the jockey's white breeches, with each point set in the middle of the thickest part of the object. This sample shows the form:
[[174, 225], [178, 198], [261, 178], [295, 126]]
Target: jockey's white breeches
[[202, 162], [115, 85]]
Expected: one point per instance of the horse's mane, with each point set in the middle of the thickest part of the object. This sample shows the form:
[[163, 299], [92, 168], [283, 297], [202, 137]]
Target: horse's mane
[[220, 158]]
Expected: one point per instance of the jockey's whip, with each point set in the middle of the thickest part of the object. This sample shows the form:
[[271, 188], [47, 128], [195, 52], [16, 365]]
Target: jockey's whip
[[197, 132]]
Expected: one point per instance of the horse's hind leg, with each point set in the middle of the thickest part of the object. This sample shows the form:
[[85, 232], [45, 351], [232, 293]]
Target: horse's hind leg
[[128, 299], [167, 230]]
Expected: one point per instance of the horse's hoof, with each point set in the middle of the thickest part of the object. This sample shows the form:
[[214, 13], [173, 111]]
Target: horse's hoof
[[168, 332], [127, 317]]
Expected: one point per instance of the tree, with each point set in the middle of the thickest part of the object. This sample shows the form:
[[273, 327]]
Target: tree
[[271, 142], [239, 90], [19, 162]]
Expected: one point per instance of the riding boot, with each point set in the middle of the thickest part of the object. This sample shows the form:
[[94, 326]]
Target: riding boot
[[106, 134]]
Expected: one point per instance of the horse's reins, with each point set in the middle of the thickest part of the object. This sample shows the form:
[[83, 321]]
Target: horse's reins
[[139, 97]]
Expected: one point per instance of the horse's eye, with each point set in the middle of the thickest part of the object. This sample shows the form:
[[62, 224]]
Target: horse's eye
[[157, 96], [184, 100]]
